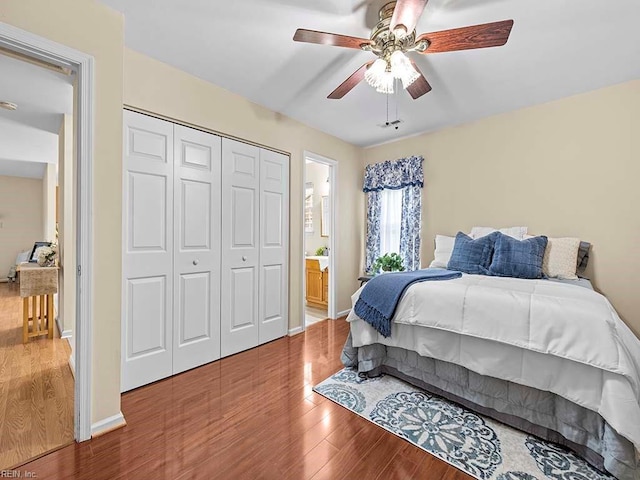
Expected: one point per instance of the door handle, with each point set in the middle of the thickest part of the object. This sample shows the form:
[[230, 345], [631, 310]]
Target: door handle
[[195, 262]]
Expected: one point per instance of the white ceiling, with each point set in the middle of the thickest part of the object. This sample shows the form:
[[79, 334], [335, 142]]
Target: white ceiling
[[557, 48], [29, 135]]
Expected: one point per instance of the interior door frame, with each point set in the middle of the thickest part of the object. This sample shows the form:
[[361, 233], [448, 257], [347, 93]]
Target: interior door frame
[[333, 233], [40, 48]]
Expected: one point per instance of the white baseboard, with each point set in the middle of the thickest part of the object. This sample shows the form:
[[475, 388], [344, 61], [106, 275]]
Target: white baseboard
[[72, 364], [295, 331], [343, 313], [108, 424], [63, 333]]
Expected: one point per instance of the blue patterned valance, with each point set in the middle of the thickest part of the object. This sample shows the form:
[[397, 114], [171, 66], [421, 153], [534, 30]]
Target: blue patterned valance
[[406, 172]]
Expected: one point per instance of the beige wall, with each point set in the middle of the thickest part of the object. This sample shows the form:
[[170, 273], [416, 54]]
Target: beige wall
[[317, 174], [566, 168], [49, 182], [96, 30], [156, 87], [21, 218]]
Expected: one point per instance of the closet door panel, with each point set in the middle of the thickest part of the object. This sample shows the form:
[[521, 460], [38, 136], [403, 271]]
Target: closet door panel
[[147, 330], [240, 246], [196, 315], [274, 231]]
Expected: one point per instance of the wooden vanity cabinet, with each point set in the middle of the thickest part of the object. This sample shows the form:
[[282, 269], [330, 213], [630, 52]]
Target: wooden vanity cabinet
[[317, 294]]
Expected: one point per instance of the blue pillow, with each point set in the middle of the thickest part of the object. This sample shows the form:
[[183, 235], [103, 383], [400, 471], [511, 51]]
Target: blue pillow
[[518, 258], [472, 256]]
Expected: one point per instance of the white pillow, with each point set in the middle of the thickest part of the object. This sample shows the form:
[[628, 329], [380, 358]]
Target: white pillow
[[516, 232], [560, 258], [444, 247]]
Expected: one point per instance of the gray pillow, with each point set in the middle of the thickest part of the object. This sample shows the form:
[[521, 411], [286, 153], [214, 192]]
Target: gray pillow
[[583, 257]]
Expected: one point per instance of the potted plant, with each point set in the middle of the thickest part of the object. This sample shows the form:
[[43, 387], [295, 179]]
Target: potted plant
[[389, 262]]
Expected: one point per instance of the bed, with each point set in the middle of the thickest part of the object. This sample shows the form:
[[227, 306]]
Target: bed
[[551, 358]]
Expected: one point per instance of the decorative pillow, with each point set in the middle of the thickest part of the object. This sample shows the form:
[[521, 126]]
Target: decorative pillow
[[583, 257], [560, 258], [442, 254], [515, 232], [518, 258], [472, 256]]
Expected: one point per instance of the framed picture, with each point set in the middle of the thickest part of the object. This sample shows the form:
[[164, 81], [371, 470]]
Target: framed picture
[[324, 223], [34, 251]]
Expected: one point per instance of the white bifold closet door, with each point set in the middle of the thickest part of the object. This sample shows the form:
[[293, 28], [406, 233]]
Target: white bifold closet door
[[147, 297], [205, 255], [196, 285], [254, 246], [171, 264], [274, 228]]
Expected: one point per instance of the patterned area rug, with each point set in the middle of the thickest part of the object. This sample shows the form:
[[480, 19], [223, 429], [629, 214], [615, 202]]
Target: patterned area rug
[[479, 446]]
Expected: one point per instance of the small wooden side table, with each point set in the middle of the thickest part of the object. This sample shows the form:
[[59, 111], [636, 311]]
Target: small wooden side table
[[37, 287]]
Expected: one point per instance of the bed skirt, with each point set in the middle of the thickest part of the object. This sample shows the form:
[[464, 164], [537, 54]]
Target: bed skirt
[[540, 413]]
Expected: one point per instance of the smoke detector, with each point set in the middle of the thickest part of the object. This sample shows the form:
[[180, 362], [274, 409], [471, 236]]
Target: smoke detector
[[8, 105]]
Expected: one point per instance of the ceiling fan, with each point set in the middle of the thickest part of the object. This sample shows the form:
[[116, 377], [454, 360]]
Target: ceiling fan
[[394, 36]]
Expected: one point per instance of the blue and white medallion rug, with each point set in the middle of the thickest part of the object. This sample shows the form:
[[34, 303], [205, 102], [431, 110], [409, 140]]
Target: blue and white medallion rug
[[477, 445]]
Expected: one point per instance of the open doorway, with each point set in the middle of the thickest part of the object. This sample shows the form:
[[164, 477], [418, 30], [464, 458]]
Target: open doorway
[[37, 267], [319, 238]]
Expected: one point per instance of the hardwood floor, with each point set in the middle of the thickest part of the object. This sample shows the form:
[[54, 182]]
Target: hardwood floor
[[36, 387], [249, 416]]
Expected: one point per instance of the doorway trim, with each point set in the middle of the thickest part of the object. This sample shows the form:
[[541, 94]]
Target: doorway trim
[[333, 233], [40, 48]]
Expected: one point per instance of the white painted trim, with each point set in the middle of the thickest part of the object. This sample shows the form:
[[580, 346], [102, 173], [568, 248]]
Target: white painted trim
[[333, 236], [343, 313], [63, 333], [108, 424], [34, 46], [295, 331], [72, 364]]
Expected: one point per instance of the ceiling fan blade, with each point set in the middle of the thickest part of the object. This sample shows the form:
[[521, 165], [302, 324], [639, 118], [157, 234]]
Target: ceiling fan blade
[[407, 13], [323, 38], [477, 36], [346, 86], [420, 86]]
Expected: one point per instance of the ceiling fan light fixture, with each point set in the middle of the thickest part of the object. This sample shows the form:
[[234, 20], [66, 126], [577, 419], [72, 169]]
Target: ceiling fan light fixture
[[402, 68], [379, 78]]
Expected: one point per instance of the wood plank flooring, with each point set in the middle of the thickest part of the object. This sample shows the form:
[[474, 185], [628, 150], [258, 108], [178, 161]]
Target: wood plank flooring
[[249, 416], [36, 387]]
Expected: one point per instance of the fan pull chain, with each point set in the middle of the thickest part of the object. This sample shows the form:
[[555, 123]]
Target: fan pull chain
[[387, 123], [396, 98]]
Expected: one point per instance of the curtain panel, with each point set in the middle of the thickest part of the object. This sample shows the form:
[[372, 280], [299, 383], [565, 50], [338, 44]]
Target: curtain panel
[[405, 174]]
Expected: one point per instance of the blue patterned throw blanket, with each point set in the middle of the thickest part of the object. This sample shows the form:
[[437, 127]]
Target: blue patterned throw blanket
[[380, 295]]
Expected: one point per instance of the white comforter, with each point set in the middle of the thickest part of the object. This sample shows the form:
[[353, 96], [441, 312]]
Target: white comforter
[[556, 337]]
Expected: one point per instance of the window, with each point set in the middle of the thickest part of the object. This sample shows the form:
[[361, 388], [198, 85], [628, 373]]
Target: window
[[390, 220]]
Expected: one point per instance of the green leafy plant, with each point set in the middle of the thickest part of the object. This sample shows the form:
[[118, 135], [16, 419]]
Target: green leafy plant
[[320, 251], [389, 262]]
